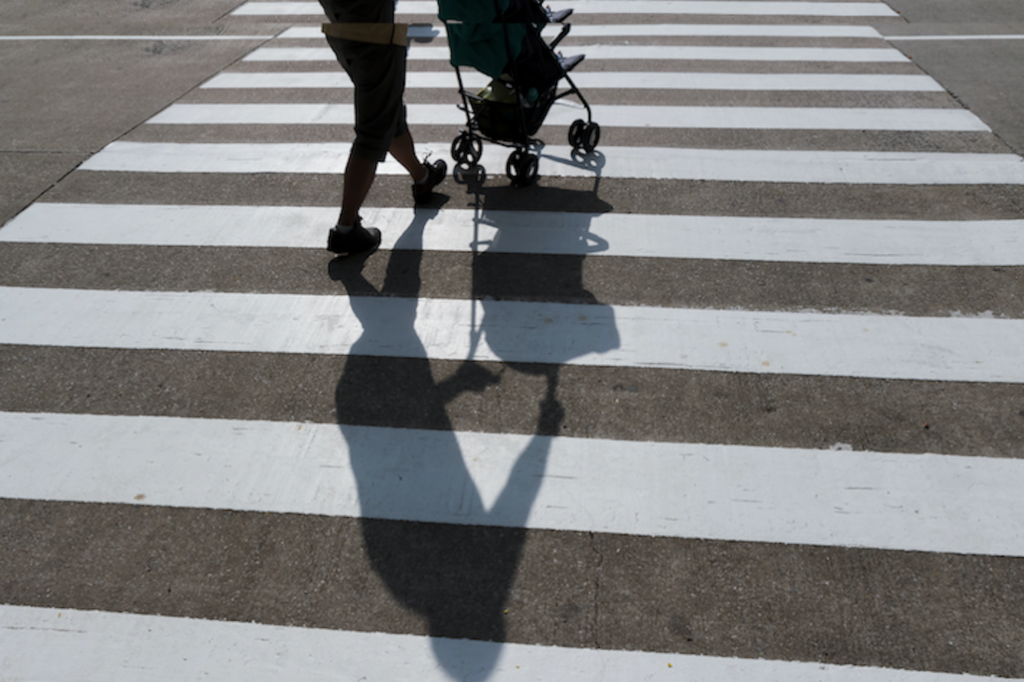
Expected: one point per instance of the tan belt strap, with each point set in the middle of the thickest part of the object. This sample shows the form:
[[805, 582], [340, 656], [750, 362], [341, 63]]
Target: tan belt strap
[[379, 34]]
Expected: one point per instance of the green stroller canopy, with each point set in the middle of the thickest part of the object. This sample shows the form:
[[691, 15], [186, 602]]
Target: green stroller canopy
[[477, 39], [471, 11], [482, 46]]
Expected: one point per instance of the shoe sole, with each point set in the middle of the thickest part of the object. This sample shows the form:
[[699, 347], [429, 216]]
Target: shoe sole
[[348, 252]]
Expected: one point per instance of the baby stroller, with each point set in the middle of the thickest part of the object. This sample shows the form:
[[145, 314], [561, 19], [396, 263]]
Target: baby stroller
[[502, 39]]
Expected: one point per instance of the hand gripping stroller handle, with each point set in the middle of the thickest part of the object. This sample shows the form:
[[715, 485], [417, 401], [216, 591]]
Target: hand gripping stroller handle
[[378, 34]]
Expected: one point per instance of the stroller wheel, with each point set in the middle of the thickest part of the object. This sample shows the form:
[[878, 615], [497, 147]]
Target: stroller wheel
[[576, 134], [467, 149], [521, 168], [590, 137]]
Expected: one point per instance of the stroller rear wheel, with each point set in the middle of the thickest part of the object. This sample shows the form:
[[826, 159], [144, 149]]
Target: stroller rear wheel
[[521, 168], [467, 148]]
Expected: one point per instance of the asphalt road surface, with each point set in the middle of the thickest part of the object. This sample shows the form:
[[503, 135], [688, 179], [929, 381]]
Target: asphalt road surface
[[739, 396]]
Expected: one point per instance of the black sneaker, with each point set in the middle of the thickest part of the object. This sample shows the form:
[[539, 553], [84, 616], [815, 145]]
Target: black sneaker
[[356, 240], [422, 193]]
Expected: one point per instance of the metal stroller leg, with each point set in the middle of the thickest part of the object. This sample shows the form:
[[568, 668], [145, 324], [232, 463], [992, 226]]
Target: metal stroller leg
[[467, 148], [522, 165], [563, 33], [583, 135]]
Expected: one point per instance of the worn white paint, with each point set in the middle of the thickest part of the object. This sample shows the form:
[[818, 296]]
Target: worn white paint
[[996, 36], [708, 7], [608, 80], [921, 502], [67, 38], [630, 53], [804, 240], [649, 30], [65, 644], [881, 346], [660, 163], [611, 116]]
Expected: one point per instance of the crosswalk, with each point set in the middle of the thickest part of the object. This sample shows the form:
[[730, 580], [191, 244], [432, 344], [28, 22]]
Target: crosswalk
[[738, 396], [615, 80], [658, 7], [631, 53], [625, 116]]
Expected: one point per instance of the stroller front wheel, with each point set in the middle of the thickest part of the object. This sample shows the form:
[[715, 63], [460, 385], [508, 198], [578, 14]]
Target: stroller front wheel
[[467, 149], [590, 136], [576, 134], [521, 168]]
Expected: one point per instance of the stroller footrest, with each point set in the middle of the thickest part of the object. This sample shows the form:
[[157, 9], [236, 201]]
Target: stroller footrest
[[570, 63], [559, 16]]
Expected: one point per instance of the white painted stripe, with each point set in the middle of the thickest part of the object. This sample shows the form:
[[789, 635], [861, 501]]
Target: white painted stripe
[[564, 113], [649, 30], [931, 503], [709, 7], [723, 30], [803, 240], [611, 162], [996, 36], [131, 37], [629, 52], [413, 31], [64, 644], [877, 346], [610, 80]]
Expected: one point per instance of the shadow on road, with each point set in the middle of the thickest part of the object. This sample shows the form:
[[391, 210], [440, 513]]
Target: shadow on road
[[415, 498]]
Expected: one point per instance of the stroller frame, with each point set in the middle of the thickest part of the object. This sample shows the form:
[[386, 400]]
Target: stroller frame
[[522, 165]]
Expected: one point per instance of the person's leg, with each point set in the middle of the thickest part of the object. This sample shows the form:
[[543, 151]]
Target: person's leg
[[368, 66], [349, 236], [425, 176], [378, 79], [363, 63], [359, 175], [404, 150]]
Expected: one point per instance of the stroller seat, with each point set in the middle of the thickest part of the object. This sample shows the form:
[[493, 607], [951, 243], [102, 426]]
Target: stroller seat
[[502, 39]]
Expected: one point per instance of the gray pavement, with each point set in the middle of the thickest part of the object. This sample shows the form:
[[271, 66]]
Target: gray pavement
[[201, 540], [63, 100], [983, 74]]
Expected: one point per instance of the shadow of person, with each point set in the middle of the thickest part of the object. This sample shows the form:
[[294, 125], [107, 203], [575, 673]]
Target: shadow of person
[[427, 531]]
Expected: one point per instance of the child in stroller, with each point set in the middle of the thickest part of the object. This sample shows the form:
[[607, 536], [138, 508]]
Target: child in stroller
[[502, 39]]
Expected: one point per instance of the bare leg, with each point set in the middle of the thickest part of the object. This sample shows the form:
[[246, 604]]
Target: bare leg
[[359, 175], [402, 149]]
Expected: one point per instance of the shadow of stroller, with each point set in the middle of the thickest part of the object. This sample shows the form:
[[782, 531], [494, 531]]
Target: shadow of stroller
[[456, 575]]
